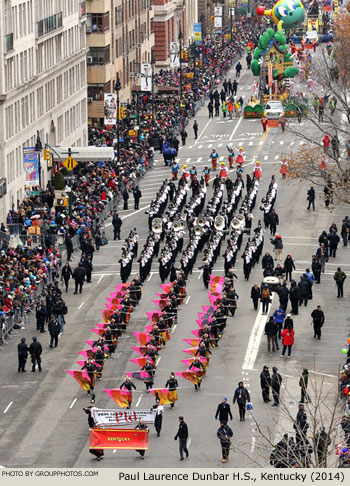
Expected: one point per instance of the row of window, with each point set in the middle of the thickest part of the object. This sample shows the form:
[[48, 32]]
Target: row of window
[[24, 112], [20, 68], [66, 125]]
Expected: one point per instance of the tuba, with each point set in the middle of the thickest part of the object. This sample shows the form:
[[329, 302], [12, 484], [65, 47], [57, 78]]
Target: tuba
[[235, 224], [176, 226], [157, 225], [198, 230], [201, 221], [182, 225], [219, 223]]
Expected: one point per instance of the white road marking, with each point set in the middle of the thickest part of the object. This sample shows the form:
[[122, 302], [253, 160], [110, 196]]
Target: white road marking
[[204, 129], [81, 305], [281, 142], [200, 274], [188, 299], [200, 146], [99, 280], [188, 160], [255, 338], [149, 278], [277, 157], [173, 329], [8, 406], [210, 145], [250, 144], [138, 401], [73, 403], [189, 443], [266, 157], [199, 159], [114, 451], [235, 129]]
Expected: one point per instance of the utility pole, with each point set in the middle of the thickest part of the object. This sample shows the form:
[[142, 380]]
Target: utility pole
[[117, 88], [153, 62], [38, 149], [181, 54]]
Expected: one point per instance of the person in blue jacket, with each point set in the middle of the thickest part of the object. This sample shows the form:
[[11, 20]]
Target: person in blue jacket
[[279, 315]]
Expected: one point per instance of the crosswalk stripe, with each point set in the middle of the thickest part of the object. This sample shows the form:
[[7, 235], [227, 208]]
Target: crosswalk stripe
[[276, 157], [266, 157], [200, 146], [220, 145], [281, 142], [199, 159], [188, 160], [250, 144], [210, 145]]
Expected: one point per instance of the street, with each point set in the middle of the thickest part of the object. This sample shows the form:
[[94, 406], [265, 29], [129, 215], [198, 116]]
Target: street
[[42, 422]]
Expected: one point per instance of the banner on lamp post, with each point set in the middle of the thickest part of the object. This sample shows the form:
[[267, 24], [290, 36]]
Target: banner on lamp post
[[110, 108], [31, 166], [197, 33], [146, 77], [218, 22], [174, 54]]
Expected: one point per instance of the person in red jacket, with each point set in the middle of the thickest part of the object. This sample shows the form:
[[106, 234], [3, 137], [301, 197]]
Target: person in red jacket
[[287, 340], [326, 141]]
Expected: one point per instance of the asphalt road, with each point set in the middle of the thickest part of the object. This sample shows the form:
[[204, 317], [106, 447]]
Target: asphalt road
[[42, 423]]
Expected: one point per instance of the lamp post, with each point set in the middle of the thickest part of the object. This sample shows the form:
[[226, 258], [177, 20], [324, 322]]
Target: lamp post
[[153, 62], [38, 149], [117, 88], [180, 37], [193, 48]]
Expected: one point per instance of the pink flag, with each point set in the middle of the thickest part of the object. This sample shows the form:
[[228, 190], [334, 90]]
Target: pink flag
[[162, 296], [142, 337], [140, 375], [82, 363], [195, 332], [190, 351], [81, 377], [192, 341], [140, 361], [189, 361], [160, 303], [166, 287], [91, 342], [102, 326], [216, 283], [154, 313], [148, 328], [87, 353], [139, 349], [214, 299], [98, 331]]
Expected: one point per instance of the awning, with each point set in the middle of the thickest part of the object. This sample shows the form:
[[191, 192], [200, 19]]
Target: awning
[[84, 154]]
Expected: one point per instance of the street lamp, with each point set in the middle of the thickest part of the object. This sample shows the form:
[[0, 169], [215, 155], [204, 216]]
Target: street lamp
[[117, 88], [180, 37], [153, 62], [38, 149], [193, 49]]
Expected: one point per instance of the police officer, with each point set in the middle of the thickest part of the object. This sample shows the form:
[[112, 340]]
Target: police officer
[[22, 355], [223, 411]]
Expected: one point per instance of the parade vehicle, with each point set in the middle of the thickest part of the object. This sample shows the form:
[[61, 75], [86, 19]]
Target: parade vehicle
[[274, 110], [272, 282]]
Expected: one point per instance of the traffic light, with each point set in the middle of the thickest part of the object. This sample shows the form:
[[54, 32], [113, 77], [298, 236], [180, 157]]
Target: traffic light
[[212, 19], [46, 154], [122, 112]]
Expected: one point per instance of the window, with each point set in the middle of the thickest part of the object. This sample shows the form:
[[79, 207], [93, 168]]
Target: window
[[59, 128], [99, 56], [40, 101], [97, 22], [118, 16], [59, 82], [49, 24], [66, 124], [96, 91]]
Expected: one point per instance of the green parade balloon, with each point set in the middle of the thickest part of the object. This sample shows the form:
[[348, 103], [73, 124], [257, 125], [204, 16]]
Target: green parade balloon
[[344, 351]]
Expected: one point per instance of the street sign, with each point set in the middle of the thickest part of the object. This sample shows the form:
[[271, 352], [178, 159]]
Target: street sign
[[68, 178], [70, 163], [39, 208]]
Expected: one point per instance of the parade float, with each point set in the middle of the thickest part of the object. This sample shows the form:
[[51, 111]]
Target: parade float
[[272, 59]]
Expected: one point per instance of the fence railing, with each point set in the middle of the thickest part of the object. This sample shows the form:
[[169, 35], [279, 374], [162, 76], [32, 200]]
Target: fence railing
[[10, 321]]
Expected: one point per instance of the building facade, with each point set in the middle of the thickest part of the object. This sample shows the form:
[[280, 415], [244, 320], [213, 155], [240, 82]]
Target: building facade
[[119, 37], [42, 84], [171, 17]]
